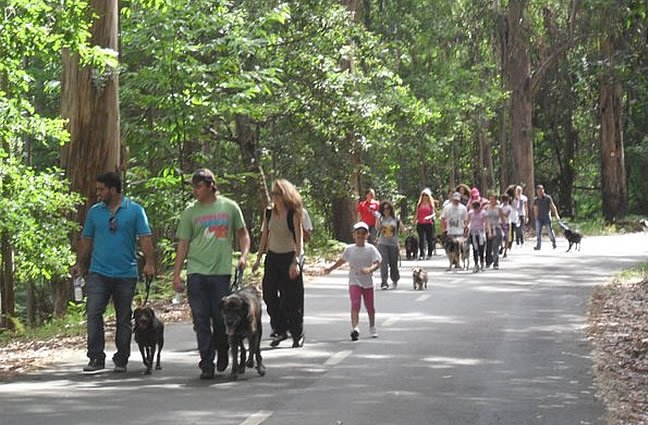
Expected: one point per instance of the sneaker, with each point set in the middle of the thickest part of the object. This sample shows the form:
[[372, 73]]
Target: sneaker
[[373, 333], [496, 267], [554, 245], [207, 373], [299, 341], [119, 369], [394, 285], [536, 248], [223, 360], [476, 269], [384, 286], [482, 266], [277, 339], [273, 334], [355, 335], [94, 365]]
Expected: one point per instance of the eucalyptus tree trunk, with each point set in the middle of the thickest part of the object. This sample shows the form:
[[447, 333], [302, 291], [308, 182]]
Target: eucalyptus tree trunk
[[90, 102], [343, 204], [7, 282], [247, 138], [613, 174], [516, 62]]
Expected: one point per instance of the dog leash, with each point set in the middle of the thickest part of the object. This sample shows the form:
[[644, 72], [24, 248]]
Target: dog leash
[[148, 281], [238, 279]]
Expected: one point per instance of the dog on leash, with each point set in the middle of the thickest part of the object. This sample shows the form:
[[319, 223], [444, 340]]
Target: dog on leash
[[455, 249], [420, 278], [411, 247], [572, 236], [149, 335], [241, 311]]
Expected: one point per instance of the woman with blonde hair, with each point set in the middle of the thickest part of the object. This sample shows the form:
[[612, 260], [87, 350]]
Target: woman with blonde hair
[[424, 220], [282, 242]]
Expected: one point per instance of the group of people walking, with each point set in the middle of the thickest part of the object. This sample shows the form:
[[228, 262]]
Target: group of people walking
[[206, 234], [209, 227]]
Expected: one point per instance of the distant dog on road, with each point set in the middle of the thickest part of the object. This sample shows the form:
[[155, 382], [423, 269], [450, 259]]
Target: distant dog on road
[[411, 247], [242, 314], [149, 334], [420, 278], [572, 236]]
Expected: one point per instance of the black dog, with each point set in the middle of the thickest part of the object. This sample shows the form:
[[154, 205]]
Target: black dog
[[242, 314], [149, 334], [411, 247], [572, 236]]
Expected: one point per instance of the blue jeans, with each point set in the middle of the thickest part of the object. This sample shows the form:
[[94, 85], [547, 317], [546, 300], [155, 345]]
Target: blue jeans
[[204, 293], [99, 289], [540, 223]]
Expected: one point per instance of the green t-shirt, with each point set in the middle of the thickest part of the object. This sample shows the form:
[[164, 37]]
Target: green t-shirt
[[210, 232]]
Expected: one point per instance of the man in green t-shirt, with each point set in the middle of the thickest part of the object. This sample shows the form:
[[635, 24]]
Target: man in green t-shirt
[[205, 236]]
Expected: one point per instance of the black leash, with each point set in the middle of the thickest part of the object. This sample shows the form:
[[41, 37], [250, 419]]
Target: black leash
[[148, 281], [238, 279]]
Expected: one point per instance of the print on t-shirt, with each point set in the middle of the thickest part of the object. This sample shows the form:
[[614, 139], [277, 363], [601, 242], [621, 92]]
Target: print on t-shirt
[[214, 225]]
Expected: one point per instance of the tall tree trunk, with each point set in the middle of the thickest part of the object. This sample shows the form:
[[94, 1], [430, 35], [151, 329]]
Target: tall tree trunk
[[247, 137], [344, 204], [90, 101], [517, 68], [7, 294], [613, 173]]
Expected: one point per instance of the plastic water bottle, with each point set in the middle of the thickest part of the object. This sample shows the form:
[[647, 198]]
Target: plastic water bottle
[[177, 298], [78, 283]]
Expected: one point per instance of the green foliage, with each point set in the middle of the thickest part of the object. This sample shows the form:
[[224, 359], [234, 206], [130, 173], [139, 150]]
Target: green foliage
[[35, 209]]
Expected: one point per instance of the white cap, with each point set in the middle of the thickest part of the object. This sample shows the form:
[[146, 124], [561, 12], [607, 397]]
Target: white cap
[[456, 196], [361, 225]]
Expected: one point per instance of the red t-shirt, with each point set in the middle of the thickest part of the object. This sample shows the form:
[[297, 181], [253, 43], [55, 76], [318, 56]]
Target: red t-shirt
[[366, 209]]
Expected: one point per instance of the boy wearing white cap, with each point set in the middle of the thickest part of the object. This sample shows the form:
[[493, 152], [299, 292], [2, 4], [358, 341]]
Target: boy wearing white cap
[[363, 259]]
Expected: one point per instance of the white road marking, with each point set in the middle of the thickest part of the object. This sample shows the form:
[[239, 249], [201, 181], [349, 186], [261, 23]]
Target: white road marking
[[423, 297], [390, 321], [337, 358], [257, 418]]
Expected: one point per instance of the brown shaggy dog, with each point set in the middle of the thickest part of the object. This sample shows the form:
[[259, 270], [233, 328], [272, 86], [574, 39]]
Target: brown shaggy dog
[[456, 249]]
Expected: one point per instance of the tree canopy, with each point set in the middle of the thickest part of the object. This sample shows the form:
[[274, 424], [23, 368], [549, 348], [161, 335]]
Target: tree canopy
[[335, 96]]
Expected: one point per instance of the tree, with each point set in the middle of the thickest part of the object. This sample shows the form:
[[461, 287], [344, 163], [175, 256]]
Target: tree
[[90, 103], [524, 80], [33, 31]]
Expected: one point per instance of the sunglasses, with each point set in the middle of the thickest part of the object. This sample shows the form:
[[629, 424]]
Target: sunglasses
[[112, 224]]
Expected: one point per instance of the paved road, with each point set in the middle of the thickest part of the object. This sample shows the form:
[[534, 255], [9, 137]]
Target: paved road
[[499, 347]]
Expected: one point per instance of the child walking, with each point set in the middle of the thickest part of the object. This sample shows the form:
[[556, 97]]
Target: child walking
[[363, 259]]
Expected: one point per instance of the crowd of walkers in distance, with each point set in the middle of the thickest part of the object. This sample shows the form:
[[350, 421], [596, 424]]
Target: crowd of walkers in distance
[[490, 225]]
